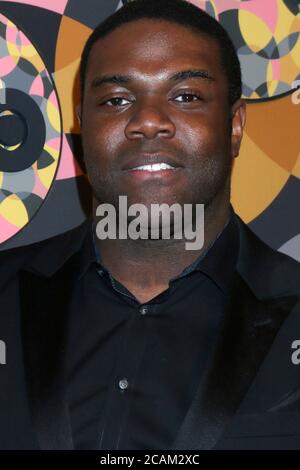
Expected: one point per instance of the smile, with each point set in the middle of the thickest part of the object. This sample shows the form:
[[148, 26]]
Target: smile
[[154, 167], [156, 171]]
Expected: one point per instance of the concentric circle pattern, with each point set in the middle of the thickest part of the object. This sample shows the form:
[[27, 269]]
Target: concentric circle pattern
[[266, 35], [30, 129]]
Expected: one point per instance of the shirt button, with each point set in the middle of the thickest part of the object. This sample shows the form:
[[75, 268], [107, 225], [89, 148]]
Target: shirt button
[[143, 310], [123, 384]]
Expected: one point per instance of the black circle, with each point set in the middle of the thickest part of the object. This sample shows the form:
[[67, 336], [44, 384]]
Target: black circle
[[22, 105], [13, 129]]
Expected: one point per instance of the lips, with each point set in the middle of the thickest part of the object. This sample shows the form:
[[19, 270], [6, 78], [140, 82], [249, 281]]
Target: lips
[[152, 163], [155, 167]]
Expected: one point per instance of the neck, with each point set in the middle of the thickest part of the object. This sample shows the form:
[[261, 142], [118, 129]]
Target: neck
[[146, 266]]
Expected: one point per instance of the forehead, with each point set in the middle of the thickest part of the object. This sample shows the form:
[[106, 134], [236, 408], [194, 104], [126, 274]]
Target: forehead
[[150, 45]]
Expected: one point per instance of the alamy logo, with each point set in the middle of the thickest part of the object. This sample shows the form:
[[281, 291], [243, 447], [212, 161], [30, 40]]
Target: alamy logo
[[296, 354], [162, 222], [2, 352]]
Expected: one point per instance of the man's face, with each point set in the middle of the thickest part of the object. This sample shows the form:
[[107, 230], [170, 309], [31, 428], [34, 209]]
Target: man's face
[[149, 113]]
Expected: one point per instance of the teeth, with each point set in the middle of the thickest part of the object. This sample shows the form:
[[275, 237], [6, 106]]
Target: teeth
[[154, 167]]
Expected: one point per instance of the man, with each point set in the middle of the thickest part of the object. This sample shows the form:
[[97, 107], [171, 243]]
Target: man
[[142, 344]]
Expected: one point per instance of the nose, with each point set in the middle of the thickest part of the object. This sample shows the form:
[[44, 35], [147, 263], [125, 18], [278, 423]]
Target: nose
[[150, 120]]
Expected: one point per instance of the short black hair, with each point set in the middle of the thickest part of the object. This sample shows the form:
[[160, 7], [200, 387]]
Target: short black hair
[[175, 11]]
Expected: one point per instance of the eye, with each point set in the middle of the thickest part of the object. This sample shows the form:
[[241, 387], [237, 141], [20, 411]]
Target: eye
[[188, 97], [117, 101]]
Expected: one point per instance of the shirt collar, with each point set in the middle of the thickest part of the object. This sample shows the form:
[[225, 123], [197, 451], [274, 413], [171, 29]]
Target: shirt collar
[[220, 259], [197, 263], [217, 262]]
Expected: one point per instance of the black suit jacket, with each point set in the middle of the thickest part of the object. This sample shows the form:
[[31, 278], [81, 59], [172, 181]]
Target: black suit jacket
[[248, 397]]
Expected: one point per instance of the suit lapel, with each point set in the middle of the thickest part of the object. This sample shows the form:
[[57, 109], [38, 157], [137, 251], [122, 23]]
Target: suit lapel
[[44, 306], [46, 285], [247, 331]]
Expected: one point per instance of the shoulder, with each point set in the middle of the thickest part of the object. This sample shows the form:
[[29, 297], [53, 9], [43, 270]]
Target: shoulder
[[268, 272], [42, 254]]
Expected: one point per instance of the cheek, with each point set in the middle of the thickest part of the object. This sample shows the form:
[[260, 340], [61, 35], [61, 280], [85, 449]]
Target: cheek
[[197, 142], [100, 140], [206, 137]]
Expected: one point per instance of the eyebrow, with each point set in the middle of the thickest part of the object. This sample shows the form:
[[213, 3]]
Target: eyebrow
[[176, 77]]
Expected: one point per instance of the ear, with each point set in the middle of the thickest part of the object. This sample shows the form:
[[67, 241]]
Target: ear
[[238, 115], [78, 114]]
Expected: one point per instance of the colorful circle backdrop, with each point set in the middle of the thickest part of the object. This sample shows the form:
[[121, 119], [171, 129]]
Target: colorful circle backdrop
[[40, 45], [30, 129]]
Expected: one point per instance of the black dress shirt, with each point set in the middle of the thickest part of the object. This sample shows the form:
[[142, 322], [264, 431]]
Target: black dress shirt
[[133, 368]]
